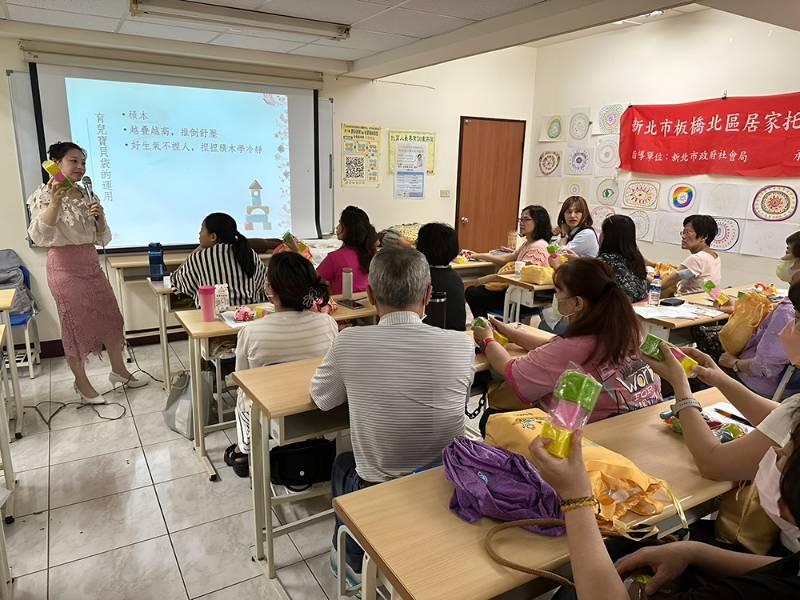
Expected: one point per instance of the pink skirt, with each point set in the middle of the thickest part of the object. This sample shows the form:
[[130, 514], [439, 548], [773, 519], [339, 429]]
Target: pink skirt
[[87, 307]]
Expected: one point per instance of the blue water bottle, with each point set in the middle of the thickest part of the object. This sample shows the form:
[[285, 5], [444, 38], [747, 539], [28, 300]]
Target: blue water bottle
[[155, 253]]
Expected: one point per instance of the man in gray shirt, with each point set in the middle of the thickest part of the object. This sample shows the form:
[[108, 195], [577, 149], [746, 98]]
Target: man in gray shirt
[[405, 382]]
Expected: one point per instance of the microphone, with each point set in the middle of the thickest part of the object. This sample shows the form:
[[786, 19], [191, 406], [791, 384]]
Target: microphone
[[87, 183]]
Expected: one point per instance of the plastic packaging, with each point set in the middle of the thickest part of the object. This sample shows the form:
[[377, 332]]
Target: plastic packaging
[[347, 283], [552, 248], [482, 322], [55, 172], [206, 295], [576, 395], [222, 297], [716, 294], [651, 346], [518, 265], [654, 294]]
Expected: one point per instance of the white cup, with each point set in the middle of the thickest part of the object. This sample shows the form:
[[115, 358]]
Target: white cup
[[518, 264]]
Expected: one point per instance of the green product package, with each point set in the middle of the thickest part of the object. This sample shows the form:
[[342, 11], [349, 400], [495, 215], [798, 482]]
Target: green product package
[[579, 388], [651, 346]]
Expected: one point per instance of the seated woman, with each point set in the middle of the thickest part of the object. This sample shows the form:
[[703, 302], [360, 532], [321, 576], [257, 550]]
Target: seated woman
[[602, 338], [359, 244], [223, 256], [703, 265], [725, 574], [534, 226], [295, 331], [439, 243], [619, 251], [575, 227], [761, 364]]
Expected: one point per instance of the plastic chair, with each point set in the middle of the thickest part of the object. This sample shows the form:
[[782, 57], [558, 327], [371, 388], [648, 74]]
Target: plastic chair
[[33, 347], [790, 381], [436, 310], [371, 578]]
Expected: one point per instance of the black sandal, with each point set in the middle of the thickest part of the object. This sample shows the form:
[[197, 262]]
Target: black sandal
[[238, 460]]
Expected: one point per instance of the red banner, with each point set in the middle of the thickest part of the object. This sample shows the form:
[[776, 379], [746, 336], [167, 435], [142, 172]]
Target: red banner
[[755, 136]]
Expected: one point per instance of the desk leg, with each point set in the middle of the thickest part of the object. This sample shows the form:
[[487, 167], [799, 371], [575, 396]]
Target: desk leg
[[198, 412], [12, 365], [257, 478], [163, 304], [5, 456], [266, 481]]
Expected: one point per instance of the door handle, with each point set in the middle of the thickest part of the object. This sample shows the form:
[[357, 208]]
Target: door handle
[[464, 220]]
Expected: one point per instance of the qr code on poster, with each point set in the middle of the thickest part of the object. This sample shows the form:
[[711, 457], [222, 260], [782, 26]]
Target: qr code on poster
[[354, 168]]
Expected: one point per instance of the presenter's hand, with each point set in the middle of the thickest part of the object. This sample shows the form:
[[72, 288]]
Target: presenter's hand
[[96, 210], [58, 193]]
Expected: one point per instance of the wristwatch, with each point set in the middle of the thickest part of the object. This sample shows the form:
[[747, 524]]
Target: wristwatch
[[685, 403], [736, 366]]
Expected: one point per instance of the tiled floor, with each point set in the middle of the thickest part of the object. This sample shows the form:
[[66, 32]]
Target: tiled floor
[[122, 509]]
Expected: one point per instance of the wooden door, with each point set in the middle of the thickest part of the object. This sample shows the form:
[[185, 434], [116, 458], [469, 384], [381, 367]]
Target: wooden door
[[489, 180]]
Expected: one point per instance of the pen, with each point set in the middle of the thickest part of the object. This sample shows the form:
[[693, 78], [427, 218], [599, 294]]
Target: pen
[[737, 418]]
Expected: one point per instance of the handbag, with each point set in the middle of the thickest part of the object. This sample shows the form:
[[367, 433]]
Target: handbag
[[299, 465], [707, 339], [751, 309], [741, 520], [177, 413]]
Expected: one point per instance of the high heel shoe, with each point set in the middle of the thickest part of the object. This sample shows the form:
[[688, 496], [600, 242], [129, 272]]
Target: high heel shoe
[[95, 400], [130, 381]]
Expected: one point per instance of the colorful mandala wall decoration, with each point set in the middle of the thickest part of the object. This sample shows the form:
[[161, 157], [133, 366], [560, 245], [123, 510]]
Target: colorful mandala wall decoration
[[728, 234], [641, 195], [549, 163], [775, 203], [578, 161], [607, 192], [682, 197]]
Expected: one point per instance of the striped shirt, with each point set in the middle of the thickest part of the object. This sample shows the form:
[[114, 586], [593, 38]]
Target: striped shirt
[[215, 265], [405, 384]]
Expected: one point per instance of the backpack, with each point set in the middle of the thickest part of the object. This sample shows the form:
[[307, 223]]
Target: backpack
[[11, 276]]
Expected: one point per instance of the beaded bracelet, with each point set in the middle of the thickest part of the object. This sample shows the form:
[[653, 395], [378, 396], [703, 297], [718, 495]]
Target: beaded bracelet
[[574, 503]]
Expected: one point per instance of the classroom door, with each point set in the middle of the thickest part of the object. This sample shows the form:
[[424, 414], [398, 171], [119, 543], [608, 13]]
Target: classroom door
[[489, 180]]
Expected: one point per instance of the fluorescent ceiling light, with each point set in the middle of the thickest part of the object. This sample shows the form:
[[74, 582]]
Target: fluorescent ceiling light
[[656, 13], [237, 17]]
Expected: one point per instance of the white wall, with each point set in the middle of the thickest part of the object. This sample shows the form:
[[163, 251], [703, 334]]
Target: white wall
[[498, 84], [686, 58]]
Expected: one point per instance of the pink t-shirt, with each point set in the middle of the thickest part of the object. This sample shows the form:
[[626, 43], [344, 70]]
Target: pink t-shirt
[[626, 387], [705, 266], [533, 253], [330, 269]]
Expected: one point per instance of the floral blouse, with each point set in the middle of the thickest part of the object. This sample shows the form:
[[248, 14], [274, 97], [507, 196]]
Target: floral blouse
[[632, 285], [74, 226]]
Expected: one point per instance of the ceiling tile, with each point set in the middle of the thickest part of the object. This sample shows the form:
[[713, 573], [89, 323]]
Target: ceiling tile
[[287, 36], [332, 52], [412, 22], [470, 9], [99, 8], [60, 18], [337, 11], [254, 43], [184, 23], [167, 32], [245, 4], [370, 40]]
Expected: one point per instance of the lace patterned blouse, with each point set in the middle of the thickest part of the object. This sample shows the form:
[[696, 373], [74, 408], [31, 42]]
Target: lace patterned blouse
[[74, 226]]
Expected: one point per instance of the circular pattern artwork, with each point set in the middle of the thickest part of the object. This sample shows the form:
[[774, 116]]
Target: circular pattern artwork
[[727, 235], [579, 161], [775, 203], [608, 118], [608, 153], [549, 161], [642, 221], [682, 196], [599, 214], [579, 126], [608, 192], [554, 128], [573, 188], [641, 195]]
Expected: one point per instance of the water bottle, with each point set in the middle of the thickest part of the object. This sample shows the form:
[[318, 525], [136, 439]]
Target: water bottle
[[155, 253], [654, 295], [347, 283]]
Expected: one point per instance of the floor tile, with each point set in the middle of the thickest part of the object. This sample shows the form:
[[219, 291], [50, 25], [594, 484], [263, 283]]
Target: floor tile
[[321, 569], [92, 440], [258, 588], [75, 413], [92, 527], [152, 429], [177, 458], [32, 423], [193, 500], [145, 571], [98, 476], [148, 399], [294, 511], [314, 539], [30, 452], [26, 540], [31, 587], [299, 583], [216, 555], [30, 495]]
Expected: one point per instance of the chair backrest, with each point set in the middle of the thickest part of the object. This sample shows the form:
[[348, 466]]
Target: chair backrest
[[13, 275], [26, 276], [789, 384], [436, 310]]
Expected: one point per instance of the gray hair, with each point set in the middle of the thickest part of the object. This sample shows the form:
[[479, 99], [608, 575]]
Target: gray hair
[[399, 277]]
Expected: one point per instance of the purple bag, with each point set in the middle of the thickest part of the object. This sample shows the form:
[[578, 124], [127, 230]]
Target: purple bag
[[492, 482]]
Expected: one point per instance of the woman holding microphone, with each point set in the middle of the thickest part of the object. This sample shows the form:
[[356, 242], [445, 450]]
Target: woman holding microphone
[[71, 222]]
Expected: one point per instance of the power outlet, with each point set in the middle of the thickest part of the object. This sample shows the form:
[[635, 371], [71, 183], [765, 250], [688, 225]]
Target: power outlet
[[444, 193]]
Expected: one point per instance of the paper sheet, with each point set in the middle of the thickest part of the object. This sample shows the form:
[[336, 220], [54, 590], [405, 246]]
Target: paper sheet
[[574, 186], [669, 227], [579, 161], [552, 128], [608, 119], [766, 239], [773, 203], [712, 412], [724, 199], [579, 124], [729, 234], [607, 155], [645, 223], [679, 197], [684, 311], [549, 163]]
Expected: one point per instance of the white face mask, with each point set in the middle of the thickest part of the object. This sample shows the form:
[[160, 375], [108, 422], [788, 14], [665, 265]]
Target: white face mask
[[557, 313], [768, 484], [785, 271]]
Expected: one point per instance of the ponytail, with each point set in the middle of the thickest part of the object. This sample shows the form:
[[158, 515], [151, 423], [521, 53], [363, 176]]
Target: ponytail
[[224, 227], [244, 255]]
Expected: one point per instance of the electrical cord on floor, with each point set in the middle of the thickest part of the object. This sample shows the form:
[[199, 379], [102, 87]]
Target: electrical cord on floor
[[139, 369]]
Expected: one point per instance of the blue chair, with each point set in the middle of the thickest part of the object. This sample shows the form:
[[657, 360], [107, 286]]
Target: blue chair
[[33, 347]]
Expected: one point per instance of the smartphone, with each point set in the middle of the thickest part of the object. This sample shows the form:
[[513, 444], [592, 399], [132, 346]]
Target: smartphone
[[355, 305]]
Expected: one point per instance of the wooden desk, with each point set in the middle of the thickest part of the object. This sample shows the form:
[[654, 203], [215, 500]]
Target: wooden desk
[[6, 304], [199, 330], [428, 553], [521, 293], [281, 393], [472, 270], [5, 442]]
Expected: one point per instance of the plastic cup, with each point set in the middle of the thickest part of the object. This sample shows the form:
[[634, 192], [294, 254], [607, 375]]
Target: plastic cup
[[518, 264], [207, 305]]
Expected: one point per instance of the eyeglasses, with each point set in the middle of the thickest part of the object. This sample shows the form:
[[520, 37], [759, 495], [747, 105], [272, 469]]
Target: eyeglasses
[[524, 220]]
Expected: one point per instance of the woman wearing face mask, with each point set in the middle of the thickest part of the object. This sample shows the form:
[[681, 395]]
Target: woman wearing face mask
[[575, 228], [716, 573], [761, 364], [602, 338], [747, 458]]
